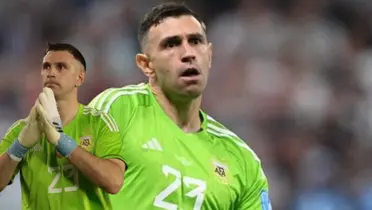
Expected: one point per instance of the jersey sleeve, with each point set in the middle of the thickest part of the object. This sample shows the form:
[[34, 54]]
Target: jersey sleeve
[[109, 139], [8, 139], [117, 104], [255, 195]]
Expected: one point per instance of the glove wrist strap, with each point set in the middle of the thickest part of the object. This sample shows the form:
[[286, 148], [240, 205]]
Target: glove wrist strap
[[17, 151], [66, 145], [57, 123]]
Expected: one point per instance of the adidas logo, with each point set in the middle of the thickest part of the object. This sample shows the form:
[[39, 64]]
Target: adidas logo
[[152, 144]]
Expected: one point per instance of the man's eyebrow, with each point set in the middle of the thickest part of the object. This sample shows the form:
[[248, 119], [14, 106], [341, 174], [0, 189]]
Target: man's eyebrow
[[196, 35], [44, 63], [170, 38], [178, 37]]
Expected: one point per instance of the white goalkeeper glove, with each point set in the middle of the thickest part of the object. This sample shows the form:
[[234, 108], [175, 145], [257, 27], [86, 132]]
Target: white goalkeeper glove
[[49, 104], [27, 138], [51, 123], [30, 134]]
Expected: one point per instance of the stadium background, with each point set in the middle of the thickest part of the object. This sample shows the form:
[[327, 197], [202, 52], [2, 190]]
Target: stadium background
[[291, 77]]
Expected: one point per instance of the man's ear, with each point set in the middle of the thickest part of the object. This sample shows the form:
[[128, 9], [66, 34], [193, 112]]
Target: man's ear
[[210, 52], [81, 78], [144, 63]]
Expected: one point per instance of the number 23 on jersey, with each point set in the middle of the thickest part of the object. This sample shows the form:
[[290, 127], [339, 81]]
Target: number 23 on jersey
[[196, 189]]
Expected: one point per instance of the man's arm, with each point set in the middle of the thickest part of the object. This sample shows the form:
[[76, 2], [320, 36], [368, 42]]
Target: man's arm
[[106, 167], [102, 169], [105, 173], [8, 167], [255, 195]]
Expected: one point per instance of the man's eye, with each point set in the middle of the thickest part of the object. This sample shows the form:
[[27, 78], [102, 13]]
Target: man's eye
[[46, 67], [195, 41], [170, 44], [60, 66]]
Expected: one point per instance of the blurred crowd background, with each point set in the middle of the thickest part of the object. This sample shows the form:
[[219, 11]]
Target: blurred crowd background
[[291, 77]]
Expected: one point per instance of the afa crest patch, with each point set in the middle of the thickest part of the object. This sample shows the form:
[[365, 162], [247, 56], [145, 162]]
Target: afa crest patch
[[86, 143], [220, 171]]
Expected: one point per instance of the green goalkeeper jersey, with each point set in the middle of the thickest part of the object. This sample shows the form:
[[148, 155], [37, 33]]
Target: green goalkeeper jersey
[[49, 182], [170, 169]]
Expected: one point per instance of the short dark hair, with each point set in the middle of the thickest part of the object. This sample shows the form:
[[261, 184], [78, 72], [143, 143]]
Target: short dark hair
[[160, 12], [69, 48]]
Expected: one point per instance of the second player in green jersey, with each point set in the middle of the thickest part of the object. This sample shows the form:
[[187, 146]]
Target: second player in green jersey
[[49, 182], [75, 167], [177, 156]]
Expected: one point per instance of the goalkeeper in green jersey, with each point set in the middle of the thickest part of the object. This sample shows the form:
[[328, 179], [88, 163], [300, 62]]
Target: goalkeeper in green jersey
[[69, 155], [176, 156]]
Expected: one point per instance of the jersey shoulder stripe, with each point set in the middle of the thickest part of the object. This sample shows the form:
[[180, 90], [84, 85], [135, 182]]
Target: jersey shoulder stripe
[[98, 101], [107, 119], [217, 129], [104, 100]]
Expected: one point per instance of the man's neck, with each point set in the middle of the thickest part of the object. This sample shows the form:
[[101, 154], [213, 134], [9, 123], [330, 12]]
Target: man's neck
[[67, 108], [185, 114]]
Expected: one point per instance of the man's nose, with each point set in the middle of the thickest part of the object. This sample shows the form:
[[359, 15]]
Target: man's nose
[[188, 55], [51, 72]]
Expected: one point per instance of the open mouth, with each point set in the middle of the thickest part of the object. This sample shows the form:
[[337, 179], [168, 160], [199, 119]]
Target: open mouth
[[190, 72], [50, 84]]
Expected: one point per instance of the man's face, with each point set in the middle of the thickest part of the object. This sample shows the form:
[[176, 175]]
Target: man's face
[[180, 55], [61, 72]]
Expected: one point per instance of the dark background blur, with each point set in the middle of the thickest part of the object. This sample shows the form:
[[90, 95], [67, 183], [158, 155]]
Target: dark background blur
[[291, 77]]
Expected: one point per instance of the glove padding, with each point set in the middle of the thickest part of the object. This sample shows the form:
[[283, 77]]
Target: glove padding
[[31, 132], [49, 118], [49, 104], [27, 138]]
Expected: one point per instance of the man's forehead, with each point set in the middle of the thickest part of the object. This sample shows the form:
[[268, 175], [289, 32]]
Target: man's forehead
[[175, 26], [57, 56]]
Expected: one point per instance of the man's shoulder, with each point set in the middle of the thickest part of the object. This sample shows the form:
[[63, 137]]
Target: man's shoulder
[[95, 118], [129, 94], [229, 139]]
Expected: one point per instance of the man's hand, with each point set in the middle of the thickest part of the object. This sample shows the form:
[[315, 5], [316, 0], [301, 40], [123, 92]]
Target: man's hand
[[51, 123], [48, 102], [49, 118], [30, 134], [27, 138]]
